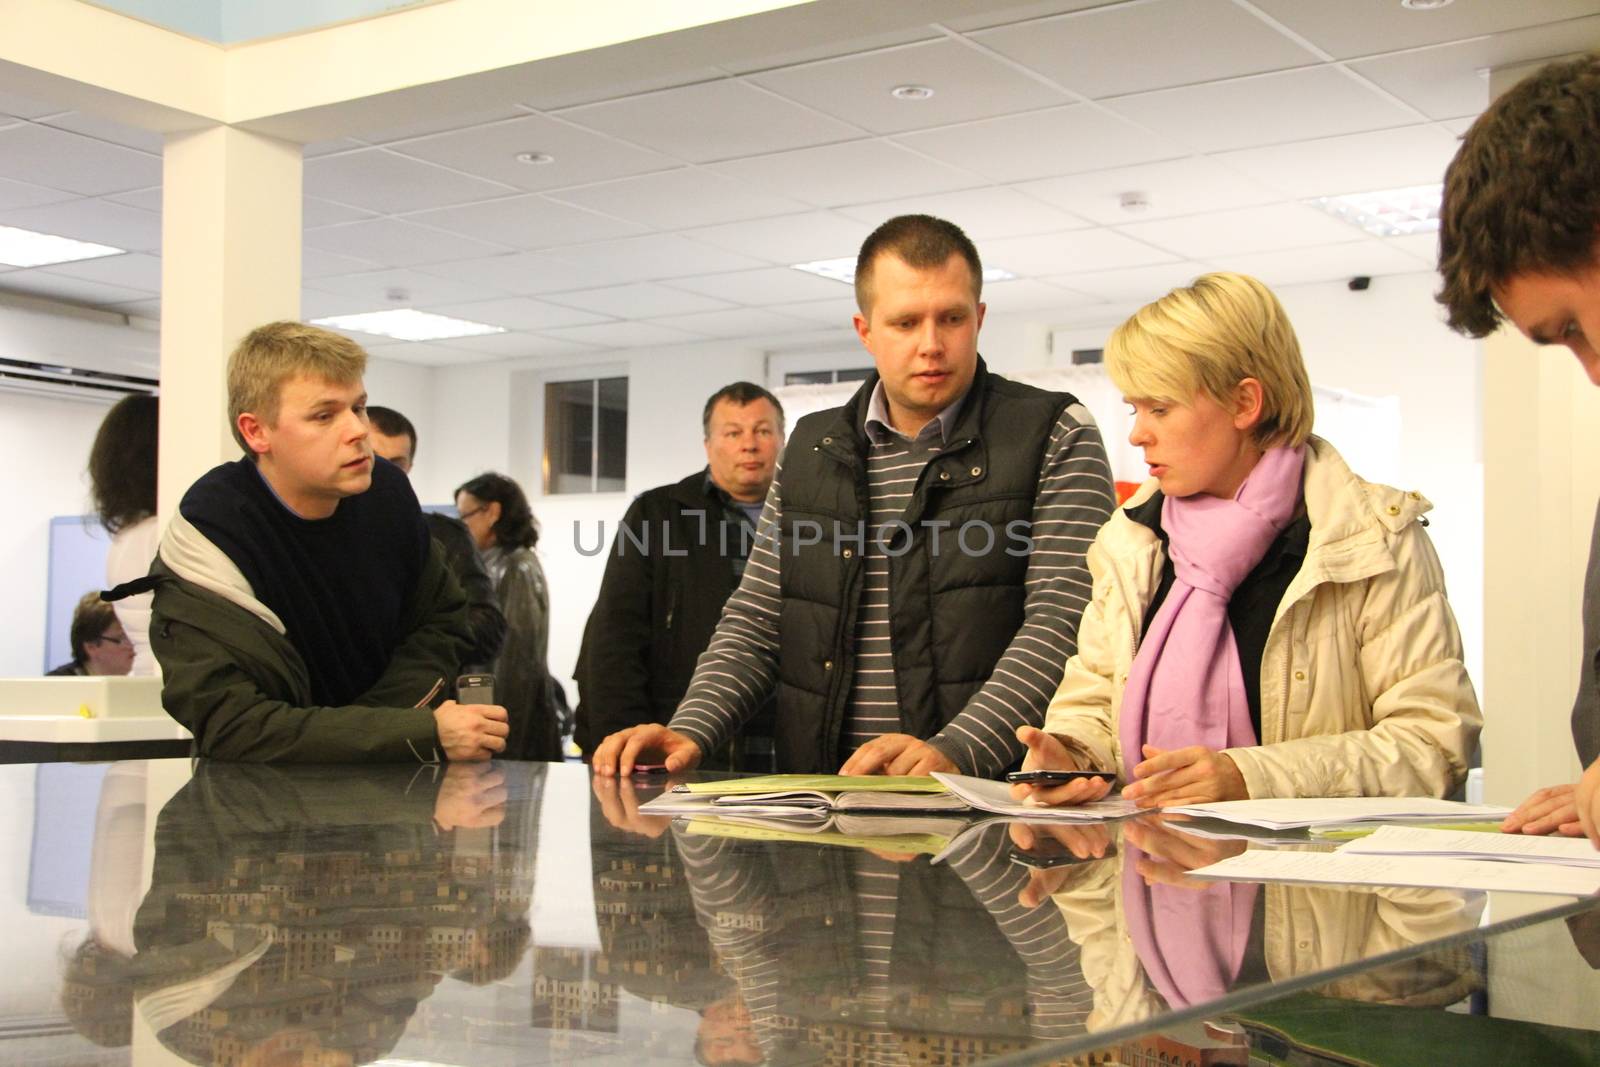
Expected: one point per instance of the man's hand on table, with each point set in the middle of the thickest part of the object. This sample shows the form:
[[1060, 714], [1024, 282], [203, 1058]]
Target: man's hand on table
[[897, 754], [649, 743], [472, 795], [619, 803], [471, 731]]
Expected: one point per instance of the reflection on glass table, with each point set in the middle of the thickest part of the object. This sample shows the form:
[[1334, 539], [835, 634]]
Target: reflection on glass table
[[526, 913]]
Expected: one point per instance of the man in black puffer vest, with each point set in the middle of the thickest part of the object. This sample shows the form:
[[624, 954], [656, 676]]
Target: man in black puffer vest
[[917, 587]]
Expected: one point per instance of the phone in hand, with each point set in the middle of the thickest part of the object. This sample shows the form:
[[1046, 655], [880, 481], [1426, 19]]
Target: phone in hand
[[1047, 852], [475, 689], [1057, 777]]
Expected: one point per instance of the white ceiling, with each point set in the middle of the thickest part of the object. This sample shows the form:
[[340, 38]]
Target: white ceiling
[[673, 205]]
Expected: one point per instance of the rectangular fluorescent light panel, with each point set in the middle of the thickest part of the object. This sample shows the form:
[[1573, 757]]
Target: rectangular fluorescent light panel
[[844, 270], [1387, 212], [408, 324], [25, 248]]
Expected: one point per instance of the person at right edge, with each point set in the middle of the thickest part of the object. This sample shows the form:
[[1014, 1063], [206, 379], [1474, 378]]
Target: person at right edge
[[1519, 241]]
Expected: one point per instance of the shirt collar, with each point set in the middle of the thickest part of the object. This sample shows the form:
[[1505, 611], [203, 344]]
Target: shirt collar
[[881, 430]]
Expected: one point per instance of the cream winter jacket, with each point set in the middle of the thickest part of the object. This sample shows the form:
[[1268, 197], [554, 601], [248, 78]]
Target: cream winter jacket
[[1363, 690]]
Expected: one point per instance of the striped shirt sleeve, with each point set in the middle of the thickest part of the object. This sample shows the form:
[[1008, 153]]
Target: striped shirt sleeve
[[1074, 500], [739, 667]]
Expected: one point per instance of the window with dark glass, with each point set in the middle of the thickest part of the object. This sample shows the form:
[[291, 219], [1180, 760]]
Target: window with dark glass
[[586, 436]]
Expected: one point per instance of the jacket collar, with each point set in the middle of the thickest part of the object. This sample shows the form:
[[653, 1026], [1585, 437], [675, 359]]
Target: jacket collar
[[846, 434], [192, 556]]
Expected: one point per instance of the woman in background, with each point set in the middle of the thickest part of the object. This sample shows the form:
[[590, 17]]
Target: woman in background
[[1264, 623], [502, 525], [122, 475]]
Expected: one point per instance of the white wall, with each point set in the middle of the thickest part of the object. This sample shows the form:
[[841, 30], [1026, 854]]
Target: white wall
[[45, 443]]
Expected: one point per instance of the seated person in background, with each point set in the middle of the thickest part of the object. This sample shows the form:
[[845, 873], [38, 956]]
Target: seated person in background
[[1519, 241], [301, 611], [1264, 622], [920, 573], [677, 557], [496, 513], [122, 476], [99, 645], [395, 439]]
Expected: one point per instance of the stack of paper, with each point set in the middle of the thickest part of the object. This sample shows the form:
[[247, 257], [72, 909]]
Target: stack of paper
[[1465, 844], [1292, 813], [806, 796], [1428, 872], [993, 796]]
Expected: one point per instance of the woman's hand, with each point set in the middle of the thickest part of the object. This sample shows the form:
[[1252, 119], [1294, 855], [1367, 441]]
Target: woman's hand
[[1171, 854], [1551, 810], [1046, 753], [1193, 775]]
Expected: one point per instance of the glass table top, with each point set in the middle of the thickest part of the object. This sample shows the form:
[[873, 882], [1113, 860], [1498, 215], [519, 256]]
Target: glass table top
[[171, 912]]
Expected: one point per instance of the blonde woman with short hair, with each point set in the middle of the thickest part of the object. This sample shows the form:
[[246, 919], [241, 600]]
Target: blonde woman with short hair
[[1264, 623]]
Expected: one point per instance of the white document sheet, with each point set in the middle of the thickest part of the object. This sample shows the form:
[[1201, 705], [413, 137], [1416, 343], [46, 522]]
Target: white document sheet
[[1428, 872], [988, 795], [1293, 812], [1470, 844]]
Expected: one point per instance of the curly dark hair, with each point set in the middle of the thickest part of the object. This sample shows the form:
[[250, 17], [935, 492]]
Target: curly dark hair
[[122, 462], [516, 527], [1523, 192]]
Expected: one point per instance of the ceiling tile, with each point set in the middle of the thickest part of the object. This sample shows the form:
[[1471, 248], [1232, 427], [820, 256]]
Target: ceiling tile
[[1069, 253], [103, 129], [983, 213], [1002, 15], [142, 309], [1177, 42], [394, 243], [599, 81], [1142, 284], [24, 107], [425, 354], [522, 273], [1363, 27], [134, 270], [1171, 187], [61, 160], [1362, 162], [388, 183], [315, 212], [789, 238], [736, 322], [854, 172], [517, 345], [527, 222], [315, 304], [890, 31], [678, 199], [748, 121], [328, 148], [660, 255], [518, 313], [1251, 229], [36, 282], [315, 263], [370, 291], [1459, 126], [143, 199], [837, 313], [580, 156], [639, 301], [765, 286], [1422, 246], [15, 195], [967, 84], [99, 221], [1025, 294], [620, 335], [1272, 108], [1451, 80], [460, 120], [1329, 263], [1040, 144]]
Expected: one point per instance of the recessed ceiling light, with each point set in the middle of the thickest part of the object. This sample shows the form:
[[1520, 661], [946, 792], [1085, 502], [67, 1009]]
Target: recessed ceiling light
[[1424, 5], [535, 159], [408, 324], [1387, 212], [844, 270], [911, 92], [25, 248]]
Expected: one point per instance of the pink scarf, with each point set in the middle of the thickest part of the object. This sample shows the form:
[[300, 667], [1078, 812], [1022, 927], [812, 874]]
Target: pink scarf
[[1186, 686], [1191, 942]]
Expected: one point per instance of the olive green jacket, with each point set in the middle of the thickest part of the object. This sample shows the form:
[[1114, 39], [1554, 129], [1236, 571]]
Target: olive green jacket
[[232, 677]]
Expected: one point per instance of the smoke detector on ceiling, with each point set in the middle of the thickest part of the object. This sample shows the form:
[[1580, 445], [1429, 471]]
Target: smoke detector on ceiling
[[1134, 201]]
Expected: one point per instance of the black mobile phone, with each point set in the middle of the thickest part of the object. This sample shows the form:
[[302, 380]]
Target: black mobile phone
[[475, 689], [1057, 777], [1048, 852]]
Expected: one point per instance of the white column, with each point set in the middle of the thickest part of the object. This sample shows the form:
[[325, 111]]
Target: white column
[[230, 261]]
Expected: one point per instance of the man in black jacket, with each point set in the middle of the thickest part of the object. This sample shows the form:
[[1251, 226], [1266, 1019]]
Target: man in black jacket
[[679, 553], [394, 438]]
